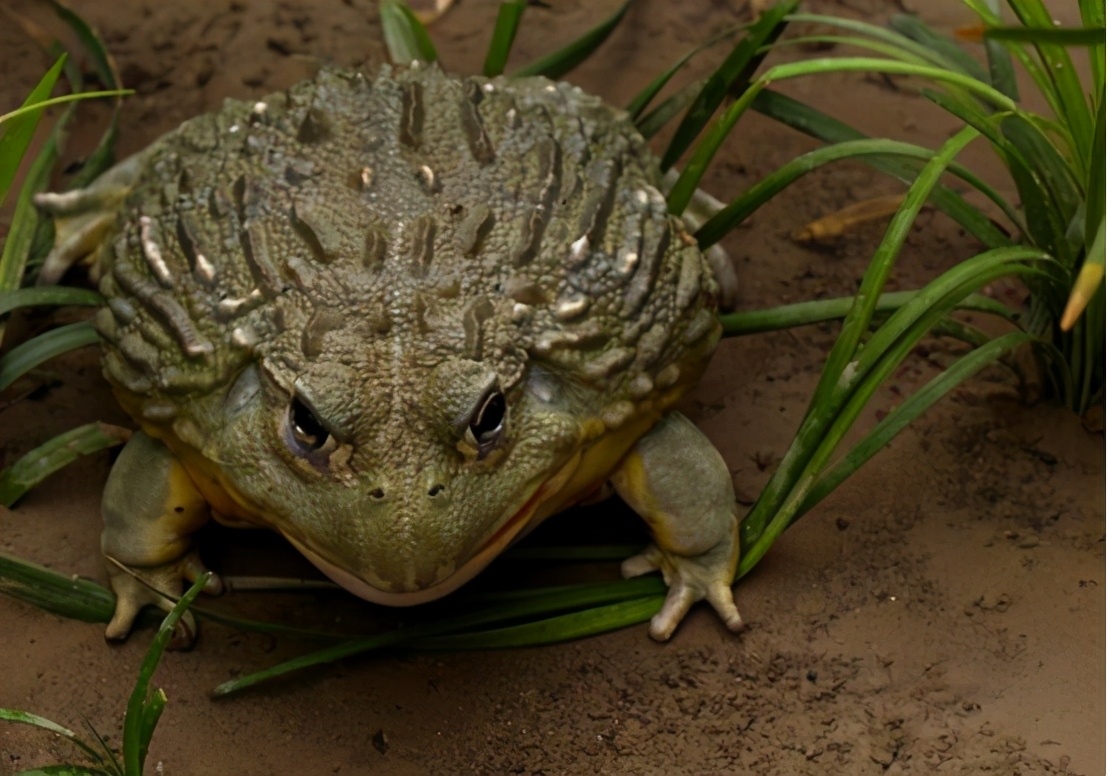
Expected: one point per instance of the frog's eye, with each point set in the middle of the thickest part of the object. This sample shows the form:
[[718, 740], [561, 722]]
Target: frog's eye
[[486, 424], [308, 434]]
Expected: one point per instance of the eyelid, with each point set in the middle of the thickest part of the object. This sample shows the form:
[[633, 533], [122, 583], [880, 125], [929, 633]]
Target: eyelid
[[461, 423], [301, 397]]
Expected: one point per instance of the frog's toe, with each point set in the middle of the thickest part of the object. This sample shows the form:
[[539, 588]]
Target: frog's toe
[[646, 561], [137, 587], [690, 579]]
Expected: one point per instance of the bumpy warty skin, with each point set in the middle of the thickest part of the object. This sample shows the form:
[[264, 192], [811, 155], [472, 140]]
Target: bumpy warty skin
[[389, 249]]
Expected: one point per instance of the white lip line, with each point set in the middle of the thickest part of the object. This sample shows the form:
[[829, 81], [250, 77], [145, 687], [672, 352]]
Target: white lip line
[[469, 569]]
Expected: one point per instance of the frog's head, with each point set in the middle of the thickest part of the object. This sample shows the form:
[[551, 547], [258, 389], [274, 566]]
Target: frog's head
[[402, 478]]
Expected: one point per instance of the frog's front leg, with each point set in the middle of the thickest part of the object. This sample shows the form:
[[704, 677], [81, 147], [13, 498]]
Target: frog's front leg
[[151, 508], [677, 481]]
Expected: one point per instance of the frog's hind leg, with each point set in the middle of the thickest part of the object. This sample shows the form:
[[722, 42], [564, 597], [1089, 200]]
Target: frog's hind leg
[[82, 217], [151, 509], [677, 481]]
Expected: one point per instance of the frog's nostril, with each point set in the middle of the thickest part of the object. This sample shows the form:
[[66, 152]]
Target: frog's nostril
[[436, 489]]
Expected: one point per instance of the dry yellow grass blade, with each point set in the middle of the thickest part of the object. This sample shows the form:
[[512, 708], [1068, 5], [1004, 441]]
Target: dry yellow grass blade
[[427, 11], [838, 223], [1088, 281]]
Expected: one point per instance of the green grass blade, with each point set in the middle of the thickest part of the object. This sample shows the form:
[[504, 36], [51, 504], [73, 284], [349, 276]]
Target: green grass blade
[[137, 729], [748, 322], [26, 718], [503, 35], [1076, 114], [565, 627], [28, 110], [1092, 15], [56, 454], [1094, 185], [1054, 36], [731, 77], [1048, 192], [741, 208], [18, 128], [1027, 61], [103, 155], [948, 51], [101, 59], [832, 391], [64, 769], [819, 125], [508, 609], [689, 179], [858, 319], [405, 37], [565, 59], [43, 296], [642, 99], [825, 65], [912, 408], [85, 600], [25, 218], [76, 598], [25, 357], [651, 122], [858, 384], [151, 713]]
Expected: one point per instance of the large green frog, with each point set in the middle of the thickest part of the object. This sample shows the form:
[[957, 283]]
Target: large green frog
[[402, 319]]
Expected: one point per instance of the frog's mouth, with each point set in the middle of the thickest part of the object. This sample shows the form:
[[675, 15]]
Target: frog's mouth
[[542, 502]]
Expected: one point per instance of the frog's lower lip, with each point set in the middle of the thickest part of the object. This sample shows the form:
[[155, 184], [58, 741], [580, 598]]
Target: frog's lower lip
[[488, 551]]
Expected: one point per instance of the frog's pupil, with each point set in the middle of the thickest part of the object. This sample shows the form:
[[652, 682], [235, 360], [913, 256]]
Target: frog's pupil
[[309, 431], [489, 419]]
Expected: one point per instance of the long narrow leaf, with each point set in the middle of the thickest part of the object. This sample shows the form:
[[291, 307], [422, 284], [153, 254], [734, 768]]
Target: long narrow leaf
[[142, 712], [743, 206], [405, 37], [558, 600], [916, 30], [1067, 86], [1055, 36], [103, 155], [503, 35], [918, 403], [73, 597], [565, 59], [731, 77], [650, 123], [54, 455], [25, 357], [565, 627], [42, 296], [748, 322], [26, 718], [29, 110], [819, 125], [18, 127], [832, 391], [641, 100]]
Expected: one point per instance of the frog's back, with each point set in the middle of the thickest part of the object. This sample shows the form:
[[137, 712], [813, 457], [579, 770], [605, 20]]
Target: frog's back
[[503, 221]]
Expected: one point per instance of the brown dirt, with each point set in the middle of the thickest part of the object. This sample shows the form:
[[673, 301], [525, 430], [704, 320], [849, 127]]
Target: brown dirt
[[942, 612]]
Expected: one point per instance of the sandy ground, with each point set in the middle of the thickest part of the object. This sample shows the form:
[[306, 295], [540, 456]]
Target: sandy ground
[[942, 612]]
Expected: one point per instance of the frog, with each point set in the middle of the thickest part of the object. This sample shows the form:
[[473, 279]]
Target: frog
[[401, 318]]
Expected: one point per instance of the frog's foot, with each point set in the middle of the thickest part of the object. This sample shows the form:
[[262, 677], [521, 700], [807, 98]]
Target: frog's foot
[[82, 218], [136, 587], [690, 579]]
